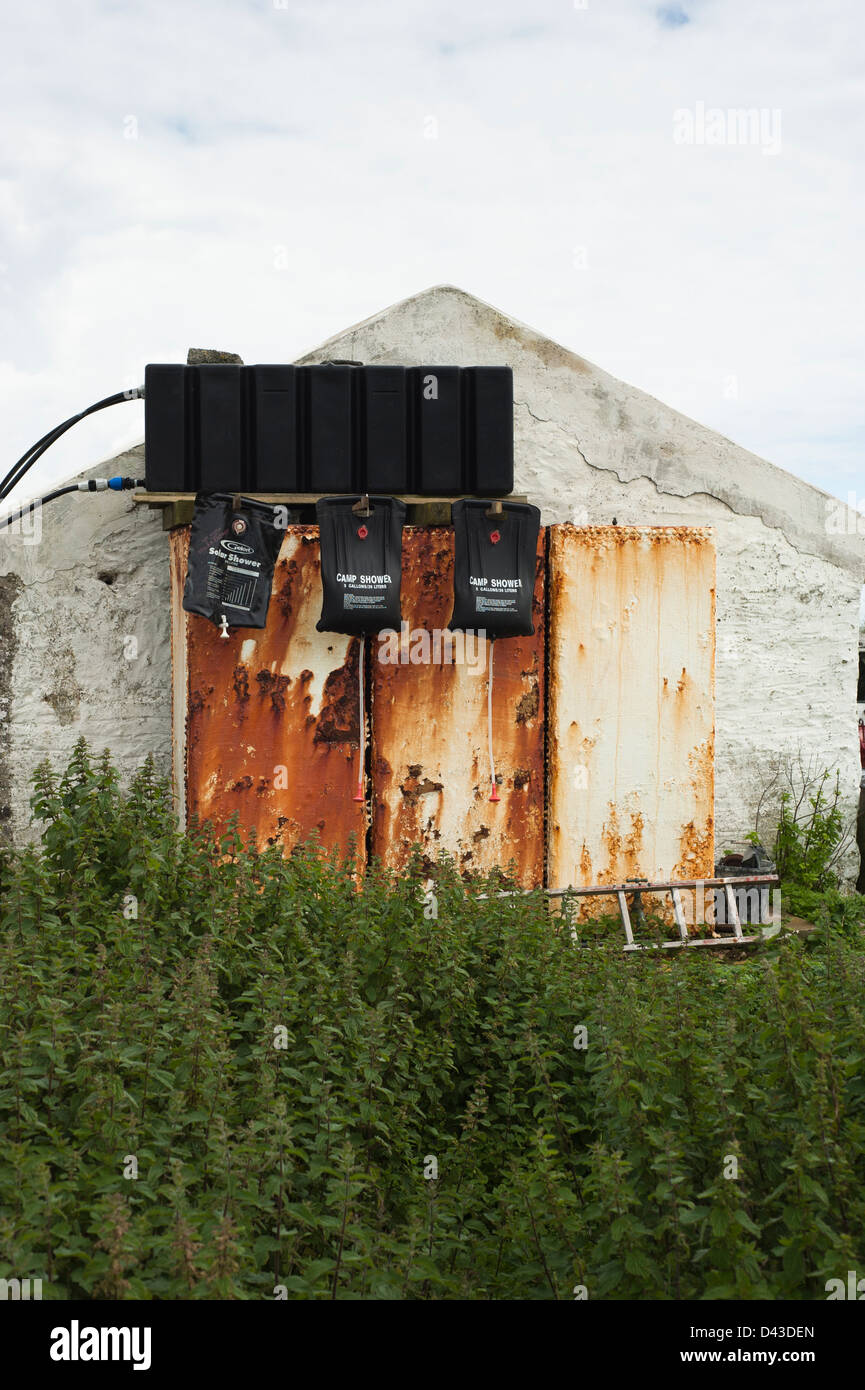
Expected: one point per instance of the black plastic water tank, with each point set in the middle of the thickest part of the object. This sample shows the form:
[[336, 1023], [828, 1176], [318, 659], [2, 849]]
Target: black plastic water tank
[[435, 431]]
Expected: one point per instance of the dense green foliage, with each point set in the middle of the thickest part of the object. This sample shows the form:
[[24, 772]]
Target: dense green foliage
[[845, 912], [409, 1037], [810, 831]]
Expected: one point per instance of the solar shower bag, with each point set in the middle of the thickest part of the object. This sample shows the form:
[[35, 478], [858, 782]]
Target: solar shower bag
[[361, 562], [232, 555], [494, 568]]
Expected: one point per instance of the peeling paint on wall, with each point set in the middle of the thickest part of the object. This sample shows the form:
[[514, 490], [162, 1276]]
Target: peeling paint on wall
[[631, 710]]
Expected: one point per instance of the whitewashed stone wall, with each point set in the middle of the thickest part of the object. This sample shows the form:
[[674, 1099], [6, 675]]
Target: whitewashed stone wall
[[84, 617]]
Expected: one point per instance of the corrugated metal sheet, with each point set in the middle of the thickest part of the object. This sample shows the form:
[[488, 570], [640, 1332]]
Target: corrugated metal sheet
[[272, 714], [430, 768], [631, 704]]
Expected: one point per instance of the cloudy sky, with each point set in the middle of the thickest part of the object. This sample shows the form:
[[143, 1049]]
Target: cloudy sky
[[255, 175]]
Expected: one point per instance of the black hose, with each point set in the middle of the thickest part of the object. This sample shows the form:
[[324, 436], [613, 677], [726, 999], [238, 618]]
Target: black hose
[[26, 461], [31, 506]]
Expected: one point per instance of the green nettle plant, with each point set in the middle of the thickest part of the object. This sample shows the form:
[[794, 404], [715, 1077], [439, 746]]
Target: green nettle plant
[[810, 831], [806, 844], [229, 1074], [801, 816]]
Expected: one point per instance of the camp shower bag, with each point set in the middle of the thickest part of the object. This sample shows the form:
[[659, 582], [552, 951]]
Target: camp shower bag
[[232, 554], [361, 561], [494, 568]]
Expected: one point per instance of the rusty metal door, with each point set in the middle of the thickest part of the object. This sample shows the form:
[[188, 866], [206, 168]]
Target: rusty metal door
[[271, 715], [430, 765], [631, 704]]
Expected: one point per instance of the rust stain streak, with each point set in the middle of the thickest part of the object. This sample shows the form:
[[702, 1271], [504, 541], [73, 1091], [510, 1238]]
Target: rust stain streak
[[429, 721], [631, 704], [272, 716]]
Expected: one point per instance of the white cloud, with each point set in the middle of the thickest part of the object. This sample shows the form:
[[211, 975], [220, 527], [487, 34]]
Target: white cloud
[[303, 128]]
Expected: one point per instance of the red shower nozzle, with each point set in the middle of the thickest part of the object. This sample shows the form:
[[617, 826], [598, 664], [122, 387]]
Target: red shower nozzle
[[362, 532], [494, 794]]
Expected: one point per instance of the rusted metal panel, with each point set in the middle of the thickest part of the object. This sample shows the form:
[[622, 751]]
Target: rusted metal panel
[[631, 704], [430, 765], [272, 714], [267, 721]]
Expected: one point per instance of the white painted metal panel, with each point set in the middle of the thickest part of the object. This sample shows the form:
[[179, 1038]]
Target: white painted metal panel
[[631, 713]]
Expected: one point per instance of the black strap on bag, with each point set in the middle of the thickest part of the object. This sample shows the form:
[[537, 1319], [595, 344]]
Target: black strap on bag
[[233, 548], [495, 550]]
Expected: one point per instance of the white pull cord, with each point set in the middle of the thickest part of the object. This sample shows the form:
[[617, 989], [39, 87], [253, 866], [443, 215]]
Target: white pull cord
[[494, 791], [359, 796]]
